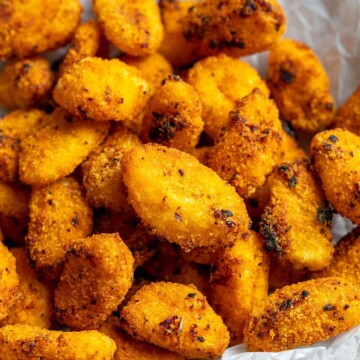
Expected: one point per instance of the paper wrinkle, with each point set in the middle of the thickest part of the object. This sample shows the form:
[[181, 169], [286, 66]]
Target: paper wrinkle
[[332, 29]]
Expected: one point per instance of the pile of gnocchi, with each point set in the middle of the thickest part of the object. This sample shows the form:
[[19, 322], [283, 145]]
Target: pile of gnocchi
[[156, 204]]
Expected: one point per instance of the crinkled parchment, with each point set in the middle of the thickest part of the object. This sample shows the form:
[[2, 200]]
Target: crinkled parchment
[[332, 29]]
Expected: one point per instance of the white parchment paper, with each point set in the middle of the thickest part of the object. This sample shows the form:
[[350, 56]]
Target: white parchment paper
[[332, 29]]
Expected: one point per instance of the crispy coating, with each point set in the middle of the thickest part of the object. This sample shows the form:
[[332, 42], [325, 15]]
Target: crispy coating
[[14, 210], [290, 150], [102, 90], [182, 200], [129, 348], [296, 223], [234, 27], [134, 234], [245, 152], [239, 282], [154, 68], [348, 115], [282, 274], [59, 216], [86, 42], [174, 46], [32, 304], [23, 342], [133, 27], [220, 82], [26, 83], [174, 115], [336, 156], [168, 265], [178, 318], [102, 175], [346, 261], [31, 27], [58, 148], [300, 86], [303, 314], [14, 127], [9, 281], [97, 275]]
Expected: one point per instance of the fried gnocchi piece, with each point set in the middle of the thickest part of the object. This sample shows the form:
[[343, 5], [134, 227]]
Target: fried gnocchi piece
[[234, 27], [14, 211], [102, 175], [178, 318], [336, 155], [59, 216], [32, 304], [102, 90], [129, 348], [290, 150], [23, 342], [220, 82], [348, 115], [245, 152], [85, 43], [300, 86], [168, 265], [239, 282], [133, 27], [15, 127], [346, 261], [52, 24], [155, 68], [174, 46], [296, 223], [134, 234], [303, 314], [26, 83], [9, 281], [97, 275], [182, 200], [282, 274], [58, 148], [174, 116]]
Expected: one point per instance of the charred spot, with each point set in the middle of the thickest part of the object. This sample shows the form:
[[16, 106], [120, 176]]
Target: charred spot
[[26, 67], [346, 306], [286, 304], [224, 215], [286, 76], [178, 217], [226, 44], [329, 307], [169, 325], [200, 338], [191, 295], [293, 182], [166, 126], [324, 215], [181, 172], [268, 231], [333, 139], [75, 221], [248, 9], [93, 301], [304, 294], [351, 153], [50, 202], [284, 168]]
